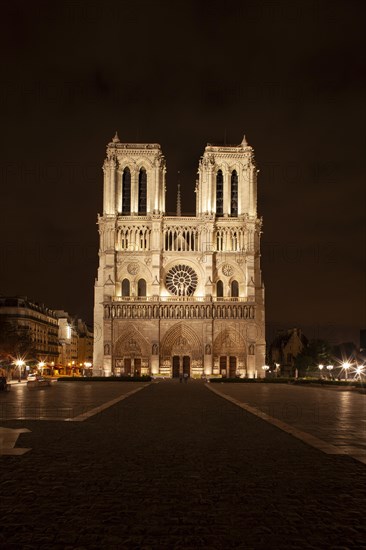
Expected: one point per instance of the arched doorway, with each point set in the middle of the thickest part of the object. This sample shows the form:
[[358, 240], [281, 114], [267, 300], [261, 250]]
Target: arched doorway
[[229, 354], [131, 354], [182, 348]]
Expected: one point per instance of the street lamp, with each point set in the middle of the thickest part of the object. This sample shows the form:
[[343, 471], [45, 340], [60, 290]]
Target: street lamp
[[19, 363], [41, 364], [359, 370], [321, 367], [265, 368], [330, 368], [346, 366]]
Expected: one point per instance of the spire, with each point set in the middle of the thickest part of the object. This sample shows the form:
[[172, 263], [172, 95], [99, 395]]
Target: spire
[[179, 209], [116, 138], [244, 143]]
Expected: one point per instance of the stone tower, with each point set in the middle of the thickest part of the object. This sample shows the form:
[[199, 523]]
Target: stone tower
[[179, 294]]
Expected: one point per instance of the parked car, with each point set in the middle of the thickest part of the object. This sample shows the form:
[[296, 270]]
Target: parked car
[[39, 382], [4, 386], [32, 376]]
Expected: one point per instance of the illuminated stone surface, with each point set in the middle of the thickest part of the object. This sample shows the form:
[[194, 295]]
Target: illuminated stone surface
[[179, 294]]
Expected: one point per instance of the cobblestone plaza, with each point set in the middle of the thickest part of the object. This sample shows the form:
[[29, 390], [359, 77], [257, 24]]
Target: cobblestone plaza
[[176, 466]]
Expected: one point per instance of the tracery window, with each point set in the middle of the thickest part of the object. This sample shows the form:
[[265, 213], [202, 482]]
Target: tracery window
[[126, 191], [234, 193], [219, 193], [142, 191], [181, 280]]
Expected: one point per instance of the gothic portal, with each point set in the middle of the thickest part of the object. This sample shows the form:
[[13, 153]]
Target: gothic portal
[[179, 294]]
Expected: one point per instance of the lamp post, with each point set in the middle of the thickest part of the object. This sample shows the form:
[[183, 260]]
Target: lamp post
[[277, 369], [88, 366], [330, 368], [19, 363], [359, 370], [265, 368], [346, 366], [41, 364], [321, 367]]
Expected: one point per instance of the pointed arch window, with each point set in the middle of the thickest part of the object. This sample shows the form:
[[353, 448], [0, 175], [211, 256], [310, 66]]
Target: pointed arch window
[[126, 191], [125, 287], [219, 289], [234, 289], [142, 191], [234, 193], [219, 193], [141, 287]]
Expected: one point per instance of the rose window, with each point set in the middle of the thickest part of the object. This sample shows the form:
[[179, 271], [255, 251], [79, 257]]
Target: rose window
[[181, 280], [227, 270]]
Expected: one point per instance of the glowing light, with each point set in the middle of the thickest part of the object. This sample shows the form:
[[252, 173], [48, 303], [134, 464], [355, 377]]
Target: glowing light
[[346, 365], [19, 363]]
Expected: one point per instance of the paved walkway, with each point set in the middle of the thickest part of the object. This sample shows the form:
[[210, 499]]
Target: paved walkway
[[174, 466], [336, 418]]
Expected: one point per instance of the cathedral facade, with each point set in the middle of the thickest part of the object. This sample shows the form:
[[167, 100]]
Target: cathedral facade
[[179, 294]]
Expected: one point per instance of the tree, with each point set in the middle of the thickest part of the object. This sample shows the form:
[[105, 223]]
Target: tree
[[15, 341], [317, 352]]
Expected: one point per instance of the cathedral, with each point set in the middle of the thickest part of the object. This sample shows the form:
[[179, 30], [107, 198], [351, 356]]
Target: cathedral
[[179, 295]]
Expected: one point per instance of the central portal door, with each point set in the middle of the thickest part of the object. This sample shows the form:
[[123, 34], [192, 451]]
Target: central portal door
[[181, 365], [175, 366], [228, 366], [186, 365], [127, 366]]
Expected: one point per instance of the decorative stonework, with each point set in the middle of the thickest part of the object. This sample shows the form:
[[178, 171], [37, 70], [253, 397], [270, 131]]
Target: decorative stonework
[[133, 268], [227, 270], [157, 303], [181, 280]]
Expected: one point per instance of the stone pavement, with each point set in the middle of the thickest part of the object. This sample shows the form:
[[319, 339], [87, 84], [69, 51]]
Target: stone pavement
[[337, 418], [174, 466]]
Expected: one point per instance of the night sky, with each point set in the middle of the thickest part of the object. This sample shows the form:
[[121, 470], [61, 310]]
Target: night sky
[[289, 75]]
